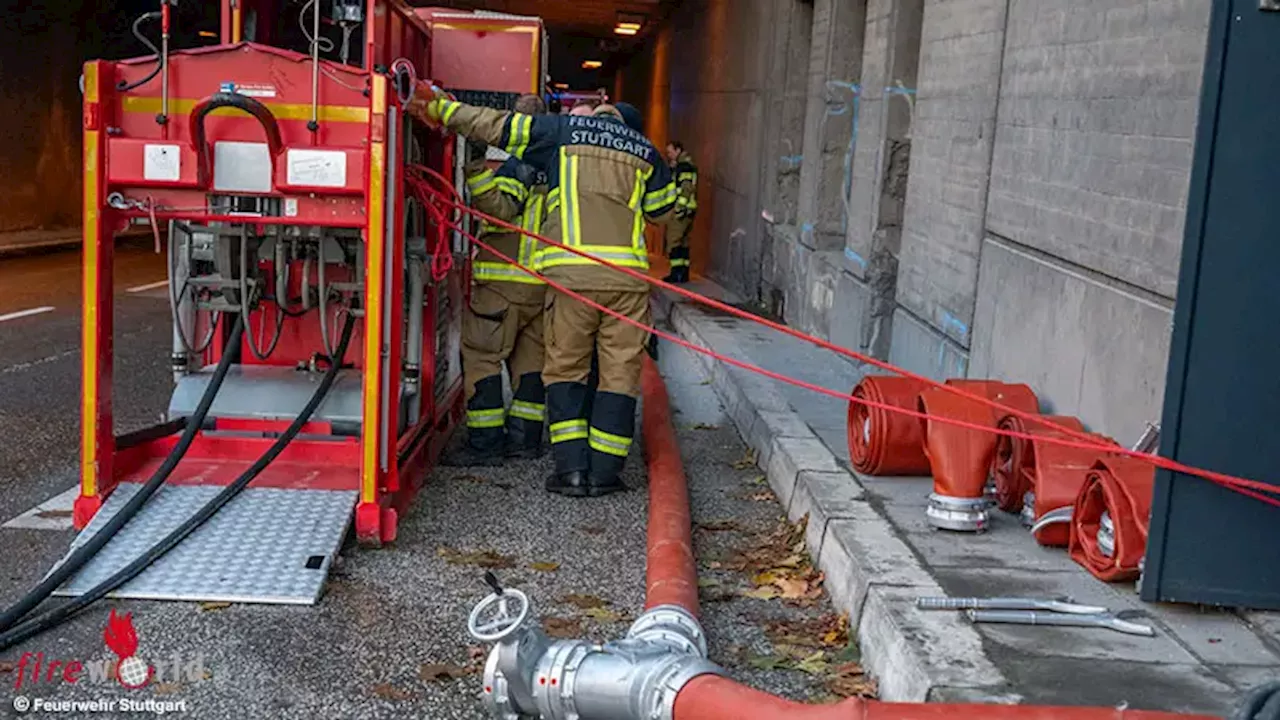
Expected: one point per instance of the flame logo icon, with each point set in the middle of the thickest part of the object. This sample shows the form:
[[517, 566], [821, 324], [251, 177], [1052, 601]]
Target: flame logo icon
[[131, 671]]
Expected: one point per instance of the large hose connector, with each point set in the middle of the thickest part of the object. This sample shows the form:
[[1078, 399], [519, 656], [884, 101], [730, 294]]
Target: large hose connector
[[635, 678], [275, 143]]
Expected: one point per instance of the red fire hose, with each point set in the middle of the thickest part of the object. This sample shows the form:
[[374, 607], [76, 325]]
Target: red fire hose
[[959, 457], [1122, 488], [883, 442], [1013, 465], [672, 578]]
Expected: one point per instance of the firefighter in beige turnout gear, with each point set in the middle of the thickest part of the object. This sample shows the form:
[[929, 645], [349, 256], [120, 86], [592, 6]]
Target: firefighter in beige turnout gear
[[503, 321], [677, 237], [604, 178]]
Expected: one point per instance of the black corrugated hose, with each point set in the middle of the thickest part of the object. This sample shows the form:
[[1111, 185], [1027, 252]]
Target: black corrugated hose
[[64, 612]]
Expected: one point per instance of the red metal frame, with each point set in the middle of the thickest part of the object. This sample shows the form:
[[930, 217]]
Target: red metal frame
[[353, 118]]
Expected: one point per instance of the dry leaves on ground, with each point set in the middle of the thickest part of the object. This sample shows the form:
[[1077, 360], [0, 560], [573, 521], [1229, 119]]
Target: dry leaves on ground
[[562, 628], [591, 529], [746, 461], [584, 602], [444, 672], [7, 666], [479, 558], [605, 615], [718, 526], [544, 566], [210, 606], [779, 566], [53, 514], [850, 680], [824, 632]]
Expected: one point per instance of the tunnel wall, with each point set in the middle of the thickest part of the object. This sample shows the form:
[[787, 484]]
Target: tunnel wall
[[40, 51], [1017, 177]]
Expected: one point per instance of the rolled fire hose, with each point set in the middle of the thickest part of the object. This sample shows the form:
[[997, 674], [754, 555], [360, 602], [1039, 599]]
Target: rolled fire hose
[[1059, 473], [1012, 466], [882, 442], [1120, 487]]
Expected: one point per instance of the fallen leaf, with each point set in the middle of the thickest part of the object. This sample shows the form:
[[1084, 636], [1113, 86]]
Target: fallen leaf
[[708, 583], [209, 606], [705, 382], [387, 691], [706, 426], [166, 688], [53, 514], [592, 529], [792, 588], [480, 558], [758, 480], [442, 672], [748, 460], [7, 666], [850, 680], [763, 496], [718, 525], [562, 628], [815, 664], [790, 561], [602, 614], [768, 592], [584, 602], [766, 662], [544, 566]]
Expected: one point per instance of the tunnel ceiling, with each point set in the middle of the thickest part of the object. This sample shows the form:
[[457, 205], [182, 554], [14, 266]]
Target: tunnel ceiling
[[580, 30]]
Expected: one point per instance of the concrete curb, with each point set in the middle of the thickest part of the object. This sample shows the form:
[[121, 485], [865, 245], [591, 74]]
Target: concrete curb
[[870, 571]]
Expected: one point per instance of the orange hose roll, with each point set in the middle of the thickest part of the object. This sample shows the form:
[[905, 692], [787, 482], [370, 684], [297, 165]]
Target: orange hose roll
[[1013, 464], [883, 442], [961, 458], [1057, 475], [1122, 488]]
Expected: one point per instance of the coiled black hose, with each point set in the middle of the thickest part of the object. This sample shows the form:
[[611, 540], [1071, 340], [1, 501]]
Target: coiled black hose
[[62, 613], [137, 32], [1262, 703], [77, 560]]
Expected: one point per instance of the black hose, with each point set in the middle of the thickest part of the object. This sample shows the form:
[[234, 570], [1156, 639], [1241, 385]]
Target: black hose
[[64, 612], [1262, 703], [137, 32], [77, 559]]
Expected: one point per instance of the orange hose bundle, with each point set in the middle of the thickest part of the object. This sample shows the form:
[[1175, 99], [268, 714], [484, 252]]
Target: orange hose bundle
[[1012, 465], [1122, 488], [959, 457], [882, 442], [1057, 475]]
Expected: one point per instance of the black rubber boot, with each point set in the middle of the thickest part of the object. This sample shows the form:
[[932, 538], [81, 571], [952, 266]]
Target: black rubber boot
[[526, 417], [486, 436], [568, 427], [613, 423], [679, 266], [570, 484]]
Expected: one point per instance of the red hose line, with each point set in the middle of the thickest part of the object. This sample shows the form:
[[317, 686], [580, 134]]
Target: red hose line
[[671, 575], [1251, 488], [708, 697]]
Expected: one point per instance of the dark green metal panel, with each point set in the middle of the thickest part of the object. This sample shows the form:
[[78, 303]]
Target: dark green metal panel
[[1222, 402]]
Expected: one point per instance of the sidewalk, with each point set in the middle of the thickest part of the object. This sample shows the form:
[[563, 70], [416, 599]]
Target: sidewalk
[[870, 537]]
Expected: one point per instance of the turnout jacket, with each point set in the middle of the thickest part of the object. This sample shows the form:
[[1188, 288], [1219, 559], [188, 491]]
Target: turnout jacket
[[603, 180], [686, 178], [514, 196]]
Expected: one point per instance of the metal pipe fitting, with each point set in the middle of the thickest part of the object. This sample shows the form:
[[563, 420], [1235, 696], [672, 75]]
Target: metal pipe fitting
[[1028, 516], [635, 678], [1106, 535], [957, 513]]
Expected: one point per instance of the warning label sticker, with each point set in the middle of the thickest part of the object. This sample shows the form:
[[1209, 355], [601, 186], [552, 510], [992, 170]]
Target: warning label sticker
[[249, 89]]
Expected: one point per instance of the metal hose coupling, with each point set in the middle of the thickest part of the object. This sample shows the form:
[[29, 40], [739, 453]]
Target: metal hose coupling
[[635, 678]]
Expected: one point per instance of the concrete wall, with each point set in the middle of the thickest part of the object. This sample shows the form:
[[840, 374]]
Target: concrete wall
[[1017, 182]]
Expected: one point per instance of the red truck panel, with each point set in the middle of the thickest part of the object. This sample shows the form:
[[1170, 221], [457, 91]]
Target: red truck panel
[[484, 53]]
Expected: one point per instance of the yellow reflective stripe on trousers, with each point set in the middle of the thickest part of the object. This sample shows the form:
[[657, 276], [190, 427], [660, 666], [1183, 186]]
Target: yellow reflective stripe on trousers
[[525, 410], [567, 430], [679, 262], [488, 418], [502, 272], [518, 142], [689, 176], [609, 443]]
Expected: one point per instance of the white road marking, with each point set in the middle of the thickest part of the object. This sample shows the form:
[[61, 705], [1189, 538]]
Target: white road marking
[[149, 286], [26, 313], [52, 514]]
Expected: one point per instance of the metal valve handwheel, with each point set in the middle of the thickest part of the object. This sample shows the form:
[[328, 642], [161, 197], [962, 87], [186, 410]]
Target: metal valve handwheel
[[498, 615]]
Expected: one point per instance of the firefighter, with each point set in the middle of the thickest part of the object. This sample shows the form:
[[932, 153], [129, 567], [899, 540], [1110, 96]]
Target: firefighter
[[605, 179], [677, 237], [503, 322]]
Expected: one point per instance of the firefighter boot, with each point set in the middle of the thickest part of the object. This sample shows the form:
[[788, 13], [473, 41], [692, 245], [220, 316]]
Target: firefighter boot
[[680, 265], [486, 436], [525, 420], [568, 428], [613, 424]]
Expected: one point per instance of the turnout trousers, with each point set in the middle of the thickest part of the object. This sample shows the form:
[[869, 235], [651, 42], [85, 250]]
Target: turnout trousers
[[593, 435], [503, 323]]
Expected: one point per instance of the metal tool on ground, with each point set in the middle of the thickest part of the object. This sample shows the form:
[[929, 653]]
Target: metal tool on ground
[[1035, 617], [1060, 605]]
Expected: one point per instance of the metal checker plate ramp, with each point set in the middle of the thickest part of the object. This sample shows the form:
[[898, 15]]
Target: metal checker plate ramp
[[257, 548]]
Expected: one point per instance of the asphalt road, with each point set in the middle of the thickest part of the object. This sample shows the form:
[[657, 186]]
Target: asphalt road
[[392, 621]]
